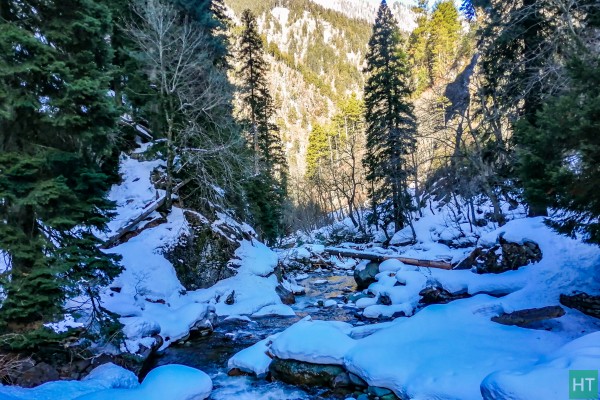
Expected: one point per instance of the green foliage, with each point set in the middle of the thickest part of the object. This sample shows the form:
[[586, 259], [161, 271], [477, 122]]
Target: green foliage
[[319, 147], [57, 158], [266, 191], [559, 155], [433, 45], [391, 124]]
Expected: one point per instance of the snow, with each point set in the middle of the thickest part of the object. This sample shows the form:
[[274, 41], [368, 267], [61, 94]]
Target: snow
[[426, 355], [135, 193], [106, 376], [253, 359], [68, 322], [275, 309], [148, 295], [319, 342], [551, 370], [173, 382], [256, 258], [455, 351]]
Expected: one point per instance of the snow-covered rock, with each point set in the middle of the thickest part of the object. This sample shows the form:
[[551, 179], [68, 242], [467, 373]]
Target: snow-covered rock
[[173, 382], [106, 376], [253, 359], [318, 342]]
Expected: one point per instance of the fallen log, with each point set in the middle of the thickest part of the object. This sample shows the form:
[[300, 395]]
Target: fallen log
[[527, 316], [131, 224], [382, 257]]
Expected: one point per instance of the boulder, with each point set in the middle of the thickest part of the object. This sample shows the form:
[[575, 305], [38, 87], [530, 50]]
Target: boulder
[[366, 276], [303, 373], [286, 296], [36, 375], [583, 302], [502, 257], [439, 295]]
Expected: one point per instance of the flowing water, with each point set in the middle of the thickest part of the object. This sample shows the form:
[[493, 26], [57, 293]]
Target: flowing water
[[210, 353]]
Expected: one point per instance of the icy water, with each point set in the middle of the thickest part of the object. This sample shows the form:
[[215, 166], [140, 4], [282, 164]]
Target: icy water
[[211, 353]]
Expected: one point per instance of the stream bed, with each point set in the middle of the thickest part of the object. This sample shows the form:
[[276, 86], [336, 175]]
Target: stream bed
[[211, 353]]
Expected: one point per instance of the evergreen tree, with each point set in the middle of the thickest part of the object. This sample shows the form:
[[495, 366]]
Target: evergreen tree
[[212, 19], [390, 122], [319, 145], [443, 39], [267, 189], [559, 155], [57, 134]]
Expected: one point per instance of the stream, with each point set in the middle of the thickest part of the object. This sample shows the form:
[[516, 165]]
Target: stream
[[211, 353]]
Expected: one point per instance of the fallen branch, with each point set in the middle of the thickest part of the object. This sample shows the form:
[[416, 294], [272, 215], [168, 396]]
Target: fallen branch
[[131, 224], [382, 257]]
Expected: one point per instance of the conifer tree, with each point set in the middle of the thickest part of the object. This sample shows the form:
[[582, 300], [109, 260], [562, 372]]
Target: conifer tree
[[267, 189], [390, 122], [57, 134], [559, 155], [319, 145]]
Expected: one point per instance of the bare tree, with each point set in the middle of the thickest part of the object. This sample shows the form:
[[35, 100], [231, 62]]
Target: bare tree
[[193, 98]]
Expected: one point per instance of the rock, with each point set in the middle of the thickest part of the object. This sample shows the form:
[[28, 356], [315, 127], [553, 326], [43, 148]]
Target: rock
[[439, 295], [230, 298], [503, 257], [330, 303], [286, 296], [303, 373], [342, 381], [366, 276], [357, 296], [378, 391], [530, 315], [237, 372], [36, 375], [357, 380], [583, 302], [363, 397], [384, 299]]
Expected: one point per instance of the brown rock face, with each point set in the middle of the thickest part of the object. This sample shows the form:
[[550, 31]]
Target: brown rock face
[[503, 257], [583, 302]]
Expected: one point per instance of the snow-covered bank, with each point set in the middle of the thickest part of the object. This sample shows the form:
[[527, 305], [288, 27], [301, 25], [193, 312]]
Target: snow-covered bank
[[455, 350], [110, 382], [148, 294]]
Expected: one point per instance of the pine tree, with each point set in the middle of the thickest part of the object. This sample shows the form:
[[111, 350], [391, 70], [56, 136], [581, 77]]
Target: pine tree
[[319, 145], [267, 189], [390, 121], [212, 19], [57, 134], [559, 155], [442, 43]]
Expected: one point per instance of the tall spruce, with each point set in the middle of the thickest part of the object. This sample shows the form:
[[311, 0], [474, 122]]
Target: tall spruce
[[390, 122], [57, 134], [267, 189]]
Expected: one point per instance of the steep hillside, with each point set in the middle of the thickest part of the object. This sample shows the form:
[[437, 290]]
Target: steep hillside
[[316, 57], [367, 10]]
